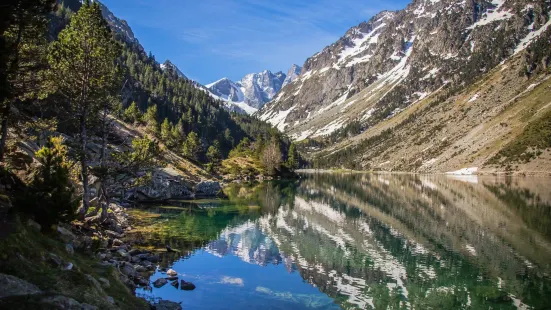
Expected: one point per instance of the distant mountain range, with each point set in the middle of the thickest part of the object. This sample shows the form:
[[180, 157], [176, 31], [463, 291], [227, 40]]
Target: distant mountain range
[[252, 91]]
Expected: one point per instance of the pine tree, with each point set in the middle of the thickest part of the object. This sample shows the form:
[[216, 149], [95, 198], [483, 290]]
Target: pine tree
[[192, 147], [213, 154], [293, 157], [271, 157], [132, 114], [166, 130], [83, 67], [23, 28], [150, 118]]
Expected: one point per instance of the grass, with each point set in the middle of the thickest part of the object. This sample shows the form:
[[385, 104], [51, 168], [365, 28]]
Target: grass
[[25, 255]]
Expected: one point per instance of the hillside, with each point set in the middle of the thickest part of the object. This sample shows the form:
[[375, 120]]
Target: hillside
[[429, 74]]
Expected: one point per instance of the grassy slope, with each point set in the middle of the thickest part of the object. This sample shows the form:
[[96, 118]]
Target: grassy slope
[[25, 255]]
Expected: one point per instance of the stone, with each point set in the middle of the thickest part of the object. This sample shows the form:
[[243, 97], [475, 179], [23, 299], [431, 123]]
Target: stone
[[13, 286], [113, 234], [146, 263], [135, 259], [175, 283], [128, 270], [34, 225], [186, 286], [208, 189], [117, 242], [122, 253], [94, 282], [167, 305], [82, 243], [65, 235], [68, 266], [140, 268], [54, 260], [153, 258], [110, 299], [160, 282], [172, 272], [69, 249], [104, 282], [134, 252], [64, 302]]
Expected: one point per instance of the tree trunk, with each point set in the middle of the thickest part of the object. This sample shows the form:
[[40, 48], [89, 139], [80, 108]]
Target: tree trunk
[[84, 165]]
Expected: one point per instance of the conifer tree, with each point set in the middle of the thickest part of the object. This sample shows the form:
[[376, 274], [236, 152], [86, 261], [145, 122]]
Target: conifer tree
[[150, 118], [293, 157], [83, 67], [166, 130], [192, 147]]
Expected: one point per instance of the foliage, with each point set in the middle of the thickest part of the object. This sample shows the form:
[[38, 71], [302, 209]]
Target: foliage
[[293, 157], [142, 157], [272, 158], [49, 197], [150, 119], [192, 147], [213, 154], [132, 114]]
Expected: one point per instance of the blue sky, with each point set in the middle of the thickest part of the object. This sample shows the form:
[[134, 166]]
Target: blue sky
[[211, 39]]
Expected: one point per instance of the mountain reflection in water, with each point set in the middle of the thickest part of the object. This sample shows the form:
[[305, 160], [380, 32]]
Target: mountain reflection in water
[[374, 241]]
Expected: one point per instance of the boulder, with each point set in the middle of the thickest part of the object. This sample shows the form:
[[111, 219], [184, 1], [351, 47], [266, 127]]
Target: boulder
[[69, 249], [64, 302], [13, 286], [172, 272], [104, 282], [65, 235], [160, 282], [117, 242], [186, 286], [54, 260], [208, 189], [162, 186], [175, 283], [110, 300], [34, 225], [166, 305], [128, 270]]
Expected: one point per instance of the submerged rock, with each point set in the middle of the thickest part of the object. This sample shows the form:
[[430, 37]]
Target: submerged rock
[[160, 282], [166, 305], [186, 286]]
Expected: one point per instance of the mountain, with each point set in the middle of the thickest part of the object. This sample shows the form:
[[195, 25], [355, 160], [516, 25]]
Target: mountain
[[292, 74], [419, 73], [249, 94], [169, 66]]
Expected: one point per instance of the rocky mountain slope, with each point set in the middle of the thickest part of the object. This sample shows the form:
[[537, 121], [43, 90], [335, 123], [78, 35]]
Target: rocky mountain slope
[[292, 75], [435, 55], [251, 92]]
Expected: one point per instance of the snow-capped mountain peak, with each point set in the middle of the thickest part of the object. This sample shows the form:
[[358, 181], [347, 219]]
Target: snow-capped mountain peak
[[169, 66], [292, 74]]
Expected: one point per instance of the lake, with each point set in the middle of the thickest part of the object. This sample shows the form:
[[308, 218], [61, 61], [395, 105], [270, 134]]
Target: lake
[[360, 241]]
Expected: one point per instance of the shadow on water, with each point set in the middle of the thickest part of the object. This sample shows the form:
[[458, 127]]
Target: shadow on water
[[373, 241]]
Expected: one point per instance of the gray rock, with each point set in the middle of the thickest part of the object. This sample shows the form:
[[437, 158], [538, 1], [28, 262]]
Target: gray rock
[[186, 286], [104, 282], [69, 249], [94, 282], [128, 270], [110, 300], [65, 235], [34, 225], [117, 242], [54, 260], [68, 266], [160, 282], [65, 303], [208, 189], [167, 305], [13, 286], [140, 268]]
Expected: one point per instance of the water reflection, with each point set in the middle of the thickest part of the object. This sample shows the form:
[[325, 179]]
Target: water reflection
[[377, 241]]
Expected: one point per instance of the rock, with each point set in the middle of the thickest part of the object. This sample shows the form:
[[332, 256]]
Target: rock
[[128, 270], [34, 225], [110, 300], [135, 259], [69, 249], [134, 252], [64, 302], [160, 282], [153, 258], [146, 263], [82, 243], [117, 242], [174, 283], [122, 253], [65, 235], [113, 234], [54, 260], [13, 286], [208, 189], [186, 286], [104, 282], [171, 272], [139, 268], [167, 305], [68, 266], [94, 282]]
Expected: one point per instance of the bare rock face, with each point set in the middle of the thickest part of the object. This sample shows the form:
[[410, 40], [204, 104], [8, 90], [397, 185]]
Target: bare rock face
[[208, 189], [384, 65]]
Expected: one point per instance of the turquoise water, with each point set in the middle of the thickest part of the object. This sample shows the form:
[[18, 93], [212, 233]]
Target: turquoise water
[[365, 241]]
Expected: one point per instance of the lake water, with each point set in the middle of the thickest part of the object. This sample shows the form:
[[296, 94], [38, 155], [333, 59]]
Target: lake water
[[362, 241]]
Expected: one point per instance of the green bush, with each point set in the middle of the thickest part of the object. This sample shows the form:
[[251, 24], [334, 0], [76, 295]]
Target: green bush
[[49, 197]]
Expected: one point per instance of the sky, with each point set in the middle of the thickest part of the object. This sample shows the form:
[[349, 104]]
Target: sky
[[212, 39]]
